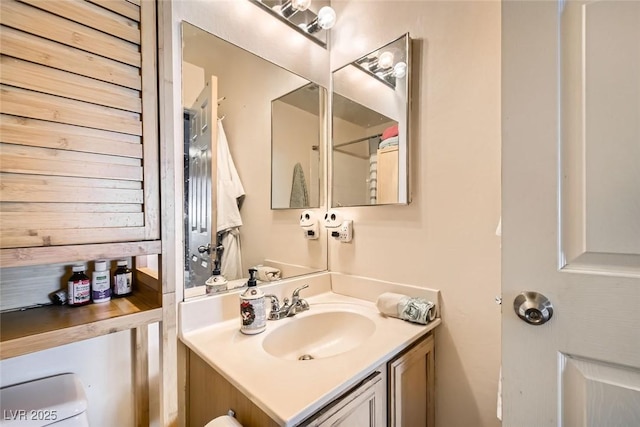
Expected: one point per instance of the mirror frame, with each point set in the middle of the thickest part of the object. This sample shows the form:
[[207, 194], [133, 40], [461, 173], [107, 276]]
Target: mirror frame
[[278, 217]]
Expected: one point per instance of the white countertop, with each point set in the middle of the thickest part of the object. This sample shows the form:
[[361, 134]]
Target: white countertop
[[291, 390]]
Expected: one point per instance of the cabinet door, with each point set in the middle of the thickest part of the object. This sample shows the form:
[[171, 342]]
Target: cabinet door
[[78, 119], [361, 407], [411, 387]]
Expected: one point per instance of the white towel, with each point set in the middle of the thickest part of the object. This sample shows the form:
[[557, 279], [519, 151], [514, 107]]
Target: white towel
[[230, 187], [417, 310], [231, 261], [266, 273]]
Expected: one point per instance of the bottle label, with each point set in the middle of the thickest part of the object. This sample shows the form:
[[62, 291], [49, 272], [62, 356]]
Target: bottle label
[[101, 291], [79, 291], [253, 314], [122, 284]]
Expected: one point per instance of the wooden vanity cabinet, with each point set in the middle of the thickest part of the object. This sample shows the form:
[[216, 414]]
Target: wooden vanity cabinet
[[362, 406], [210, 395], [399, 393], [412, 386]]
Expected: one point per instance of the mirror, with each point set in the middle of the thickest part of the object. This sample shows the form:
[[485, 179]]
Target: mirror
[[370, 131], [235, 101], [295, 149]]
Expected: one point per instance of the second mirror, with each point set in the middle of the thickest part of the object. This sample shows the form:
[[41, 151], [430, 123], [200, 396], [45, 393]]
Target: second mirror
[[370, 135]]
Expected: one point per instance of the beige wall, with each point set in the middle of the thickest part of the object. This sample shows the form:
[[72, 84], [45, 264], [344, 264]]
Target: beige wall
[[294, 133], [445, 238]]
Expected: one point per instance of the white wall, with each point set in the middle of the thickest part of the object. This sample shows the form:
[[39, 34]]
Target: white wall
[[445, 238]]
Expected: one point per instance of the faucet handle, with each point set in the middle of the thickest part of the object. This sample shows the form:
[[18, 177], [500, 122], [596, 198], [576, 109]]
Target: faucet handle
[[296, 292], [275, 303]]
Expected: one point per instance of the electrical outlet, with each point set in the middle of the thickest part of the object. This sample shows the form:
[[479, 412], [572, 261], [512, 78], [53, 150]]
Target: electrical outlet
[[345, 231], [311, 232]]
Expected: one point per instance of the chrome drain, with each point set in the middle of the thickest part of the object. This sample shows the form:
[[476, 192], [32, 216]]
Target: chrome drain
[[305, 357]]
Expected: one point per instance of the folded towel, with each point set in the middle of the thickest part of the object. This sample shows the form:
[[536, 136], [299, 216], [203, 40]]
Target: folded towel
[[266, 273], [394, 140], [417, 310], [390, 131]]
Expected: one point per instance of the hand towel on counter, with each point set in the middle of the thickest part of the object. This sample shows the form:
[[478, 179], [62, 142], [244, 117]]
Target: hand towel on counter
[[417, 310], [267, 274]]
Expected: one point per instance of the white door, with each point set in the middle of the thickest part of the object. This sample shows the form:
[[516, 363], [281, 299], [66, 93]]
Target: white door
[[571, 211], [201, 192]]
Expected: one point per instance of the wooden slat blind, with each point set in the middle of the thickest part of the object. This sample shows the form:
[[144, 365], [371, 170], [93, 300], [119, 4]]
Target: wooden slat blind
[[78, 124]]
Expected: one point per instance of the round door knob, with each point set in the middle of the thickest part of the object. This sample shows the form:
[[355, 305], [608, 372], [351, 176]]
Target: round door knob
[[202, 249], [533, 308]]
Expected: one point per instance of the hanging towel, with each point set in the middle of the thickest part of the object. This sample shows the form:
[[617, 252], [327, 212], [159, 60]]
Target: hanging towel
[[230, 193], [231, 261], [299, 196], [230, 189]]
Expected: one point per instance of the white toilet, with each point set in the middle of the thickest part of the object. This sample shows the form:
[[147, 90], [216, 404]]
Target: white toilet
[[54, 401], [224, 421]]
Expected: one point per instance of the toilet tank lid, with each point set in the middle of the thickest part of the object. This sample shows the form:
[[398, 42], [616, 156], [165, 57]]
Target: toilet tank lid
[[43, 401]]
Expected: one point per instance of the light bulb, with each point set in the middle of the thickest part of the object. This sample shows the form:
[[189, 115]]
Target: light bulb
[[385, 60], [326, 17], [400, 70], [301, 4]]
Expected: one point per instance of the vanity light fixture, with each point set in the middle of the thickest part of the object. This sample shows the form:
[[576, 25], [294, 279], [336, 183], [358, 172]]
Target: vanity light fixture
[[386, 65], [325, 20], [289, 8], [385, 60], [299, 15]]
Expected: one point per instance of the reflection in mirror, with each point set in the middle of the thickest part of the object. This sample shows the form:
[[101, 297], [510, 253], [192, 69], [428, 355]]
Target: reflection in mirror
[[370, 128], [228, 95], [295, 149]]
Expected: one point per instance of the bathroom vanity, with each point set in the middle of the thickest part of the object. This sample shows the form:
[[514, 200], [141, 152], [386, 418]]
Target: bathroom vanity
[[363, 366]]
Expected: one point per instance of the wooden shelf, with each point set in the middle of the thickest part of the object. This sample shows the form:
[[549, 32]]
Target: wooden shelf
[[31, 330]]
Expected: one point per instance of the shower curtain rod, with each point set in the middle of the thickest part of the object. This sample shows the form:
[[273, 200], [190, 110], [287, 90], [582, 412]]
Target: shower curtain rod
[[357, 140]]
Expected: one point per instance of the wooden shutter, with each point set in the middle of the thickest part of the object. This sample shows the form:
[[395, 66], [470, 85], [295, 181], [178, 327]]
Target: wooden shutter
[[78, 124]]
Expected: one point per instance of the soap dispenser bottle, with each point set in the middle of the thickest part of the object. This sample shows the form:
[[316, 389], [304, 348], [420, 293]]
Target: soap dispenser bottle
[[217, 282], [252, 308]]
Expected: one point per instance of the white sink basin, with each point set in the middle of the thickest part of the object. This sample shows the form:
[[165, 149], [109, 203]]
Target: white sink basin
[[317, 336]]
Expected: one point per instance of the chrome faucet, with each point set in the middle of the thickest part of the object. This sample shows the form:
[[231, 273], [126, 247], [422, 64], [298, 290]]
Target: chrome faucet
[[287, 309]]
